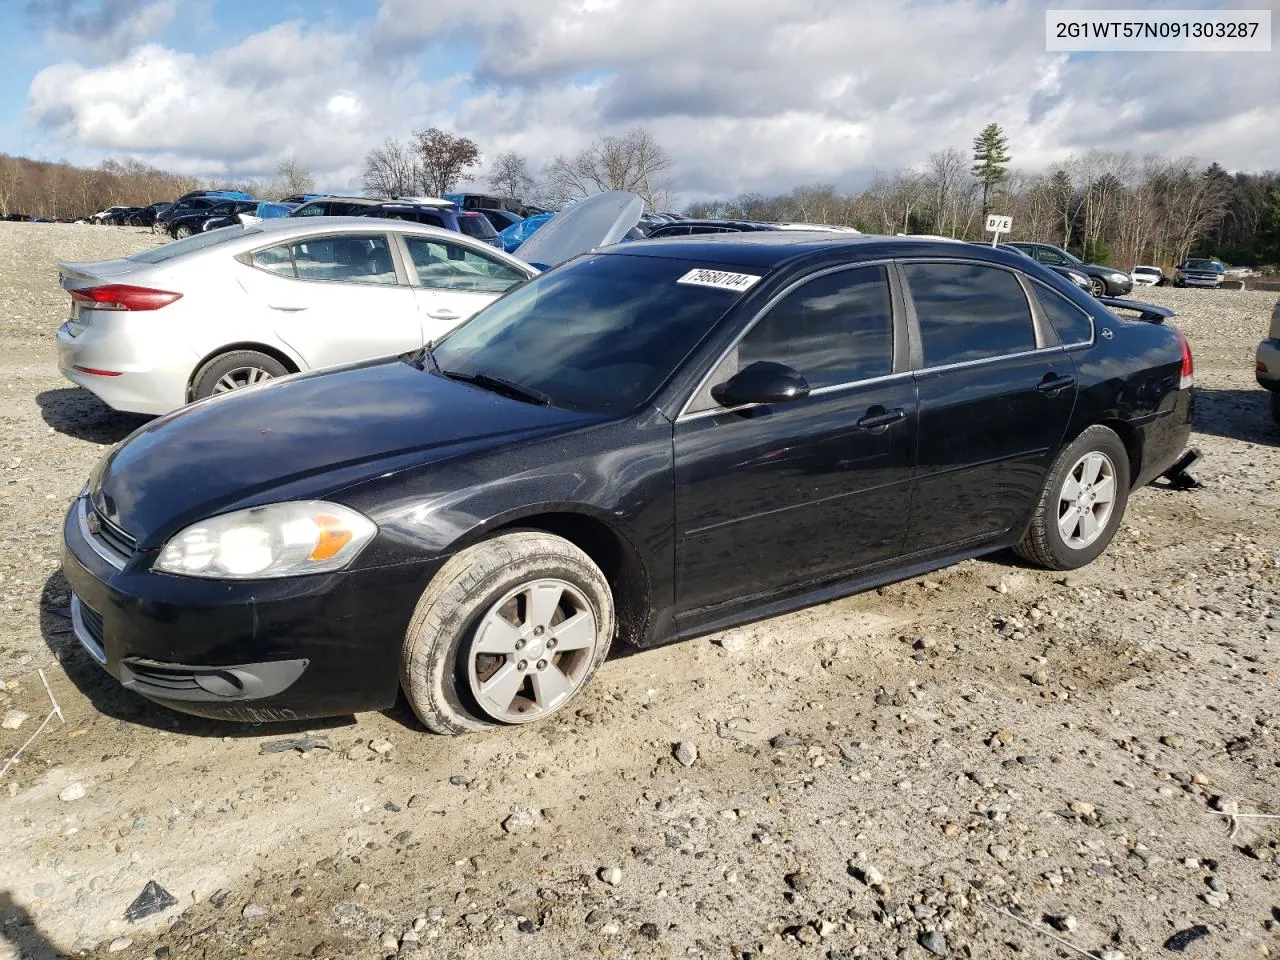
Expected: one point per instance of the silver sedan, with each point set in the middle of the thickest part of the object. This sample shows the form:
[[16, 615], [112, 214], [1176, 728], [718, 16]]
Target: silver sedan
[[243, 304]]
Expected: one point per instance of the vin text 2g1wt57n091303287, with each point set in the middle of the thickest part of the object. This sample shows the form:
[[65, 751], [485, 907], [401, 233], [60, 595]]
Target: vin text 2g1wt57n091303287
[[649, 442]]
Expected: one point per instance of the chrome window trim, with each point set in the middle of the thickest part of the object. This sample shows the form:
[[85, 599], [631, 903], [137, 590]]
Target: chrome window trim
[[886, 263], [821, 391], [964, 364], [82, 520]]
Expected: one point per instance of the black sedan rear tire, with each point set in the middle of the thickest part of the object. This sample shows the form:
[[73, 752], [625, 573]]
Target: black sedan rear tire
[[1275, 407], [182, 231], [509, 631], [1082, 503]]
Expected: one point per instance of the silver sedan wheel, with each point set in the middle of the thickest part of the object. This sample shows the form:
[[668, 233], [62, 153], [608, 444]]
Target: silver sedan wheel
[[533, 649], [1087, 499], [240, 377]]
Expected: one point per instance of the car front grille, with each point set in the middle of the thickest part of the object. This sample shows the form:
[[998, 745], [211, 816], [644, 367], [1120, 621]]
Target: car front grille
[[105, 538], [114, 537]]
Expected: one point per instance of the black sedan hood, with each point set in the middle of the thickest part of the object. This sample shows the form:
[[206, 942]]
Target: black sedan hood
[[302, 438]]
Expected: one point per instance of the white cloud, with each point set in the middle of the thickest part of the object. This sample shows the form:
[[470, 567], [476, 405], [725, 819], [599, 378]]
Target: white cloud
[[100, 28], [745, 95], [288, 89]]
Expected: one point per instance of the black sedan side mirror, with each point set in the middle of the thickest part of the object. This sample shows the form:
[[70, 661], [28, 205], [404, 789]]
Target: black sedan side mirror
[[761, 382]]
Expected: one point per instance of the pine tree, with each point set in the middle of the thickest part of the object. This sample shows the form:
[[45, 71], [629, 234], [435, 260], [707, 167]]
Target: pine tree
[[991, 156]]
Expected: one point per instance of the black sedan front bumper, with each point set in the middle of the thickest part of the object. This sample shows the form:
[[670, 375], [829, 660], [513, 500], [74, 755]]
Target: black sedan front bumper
[[248, 651], [1116, 288]]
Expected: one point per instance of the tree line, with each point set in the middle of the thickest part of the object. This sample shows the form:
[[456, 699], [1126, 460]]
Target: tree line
[[1107, 206], [62, 191]]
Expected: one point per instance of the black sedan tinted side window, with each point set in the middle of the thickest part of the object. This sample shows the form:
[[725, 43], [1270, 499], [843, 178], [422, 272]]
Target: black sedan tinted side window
[[969, 312], [835, 329], [1072, 323]]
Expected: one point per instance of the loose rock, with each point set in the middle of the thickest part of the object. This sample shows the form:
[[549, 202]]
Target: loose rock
[[520, 821], [934, 942], [686, 753]]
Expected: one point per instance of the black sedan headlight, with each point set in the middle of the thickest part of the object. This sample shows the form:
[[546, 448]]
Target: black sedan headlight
[[278, 540]]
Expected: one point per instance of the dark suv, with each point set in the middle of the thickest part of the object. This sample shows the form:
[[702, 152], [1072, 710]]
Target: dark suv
[[1103, 281], [1198, 273], [336, 207], [683, 228], [470, 222]]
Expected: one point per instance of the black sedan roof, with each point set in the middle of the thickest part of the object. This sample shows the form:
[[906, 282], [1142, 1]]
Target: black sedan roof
[[770, 248]]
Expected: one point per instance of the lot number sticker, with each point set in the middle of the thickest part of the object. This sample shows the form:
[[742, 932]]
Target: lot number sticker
[[720, 279]]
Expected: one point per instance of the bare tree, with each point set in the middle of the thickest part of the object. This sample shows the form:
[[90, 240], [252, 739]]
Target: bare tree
[[1194, 203], [392, 170], [633, 162], [10, 183], [292, 177], [444, 159], [947, 178], [896, 198], [510, 174]]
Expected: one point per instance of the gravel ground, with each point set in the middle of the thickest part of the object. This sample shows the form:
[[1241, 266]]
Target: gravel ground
[[893, 774]]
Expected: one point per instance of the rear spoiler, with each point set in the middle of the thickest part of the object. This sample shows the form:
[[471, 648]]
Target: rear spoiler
[[1147, 312]]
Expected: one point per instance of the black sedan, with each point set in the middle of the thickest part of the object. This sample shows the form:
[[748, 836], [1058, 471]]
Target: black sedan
[[1103, 281], [146, 217], [188, 222], [652, 441], [1080, 279]]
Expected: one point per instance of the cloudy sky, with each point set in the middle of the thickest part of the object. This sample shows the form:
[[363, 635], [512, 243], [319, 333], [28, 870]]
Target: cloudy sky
[[745, 94]]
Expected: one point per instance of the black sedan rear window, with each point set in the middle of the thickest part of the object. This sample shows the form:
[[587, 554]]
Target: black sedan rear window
[[599, 333], [476, 225]]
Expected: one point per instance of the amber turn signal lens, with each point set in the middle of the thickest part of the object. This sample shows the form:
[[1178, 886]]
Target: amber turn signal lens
[[333, 536]]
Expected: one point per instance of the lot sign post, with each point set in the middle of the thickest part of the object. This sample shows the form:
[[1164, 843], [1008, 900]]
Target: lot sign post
[[997, 225]]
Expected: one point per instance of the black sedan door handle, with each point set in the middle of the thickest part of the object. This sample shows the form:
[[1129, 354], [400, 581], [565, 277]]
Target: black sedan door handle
[[1051, 384], [880, 417]]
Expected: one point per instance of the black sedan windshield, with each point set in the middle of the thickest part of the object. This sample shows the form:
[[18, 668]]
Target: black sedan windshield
[[601, 333]]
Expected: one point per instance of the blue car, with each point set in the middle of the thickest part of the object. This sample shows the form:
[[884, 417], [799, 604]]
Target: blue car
[[518, 233], [265, 210]]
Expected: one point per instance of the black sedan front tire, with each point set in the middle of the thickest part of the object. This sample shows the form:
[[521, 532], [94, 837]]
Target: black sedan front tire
[[1097, 287], [509, 631]]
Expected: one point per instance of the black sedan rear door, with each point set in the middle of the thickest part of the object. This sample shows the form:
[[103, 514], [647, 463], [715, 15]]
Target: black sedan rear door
[[996, 393]]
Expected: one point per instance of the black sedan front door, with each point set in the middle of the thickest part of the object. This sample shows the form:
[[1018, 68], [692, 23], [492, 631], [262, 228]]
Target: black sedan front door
[[775, 497]]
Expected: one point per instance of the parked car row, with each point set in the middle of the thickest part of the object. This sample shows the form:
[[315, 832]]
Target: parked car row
[[655, 439], [1196, 272]]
